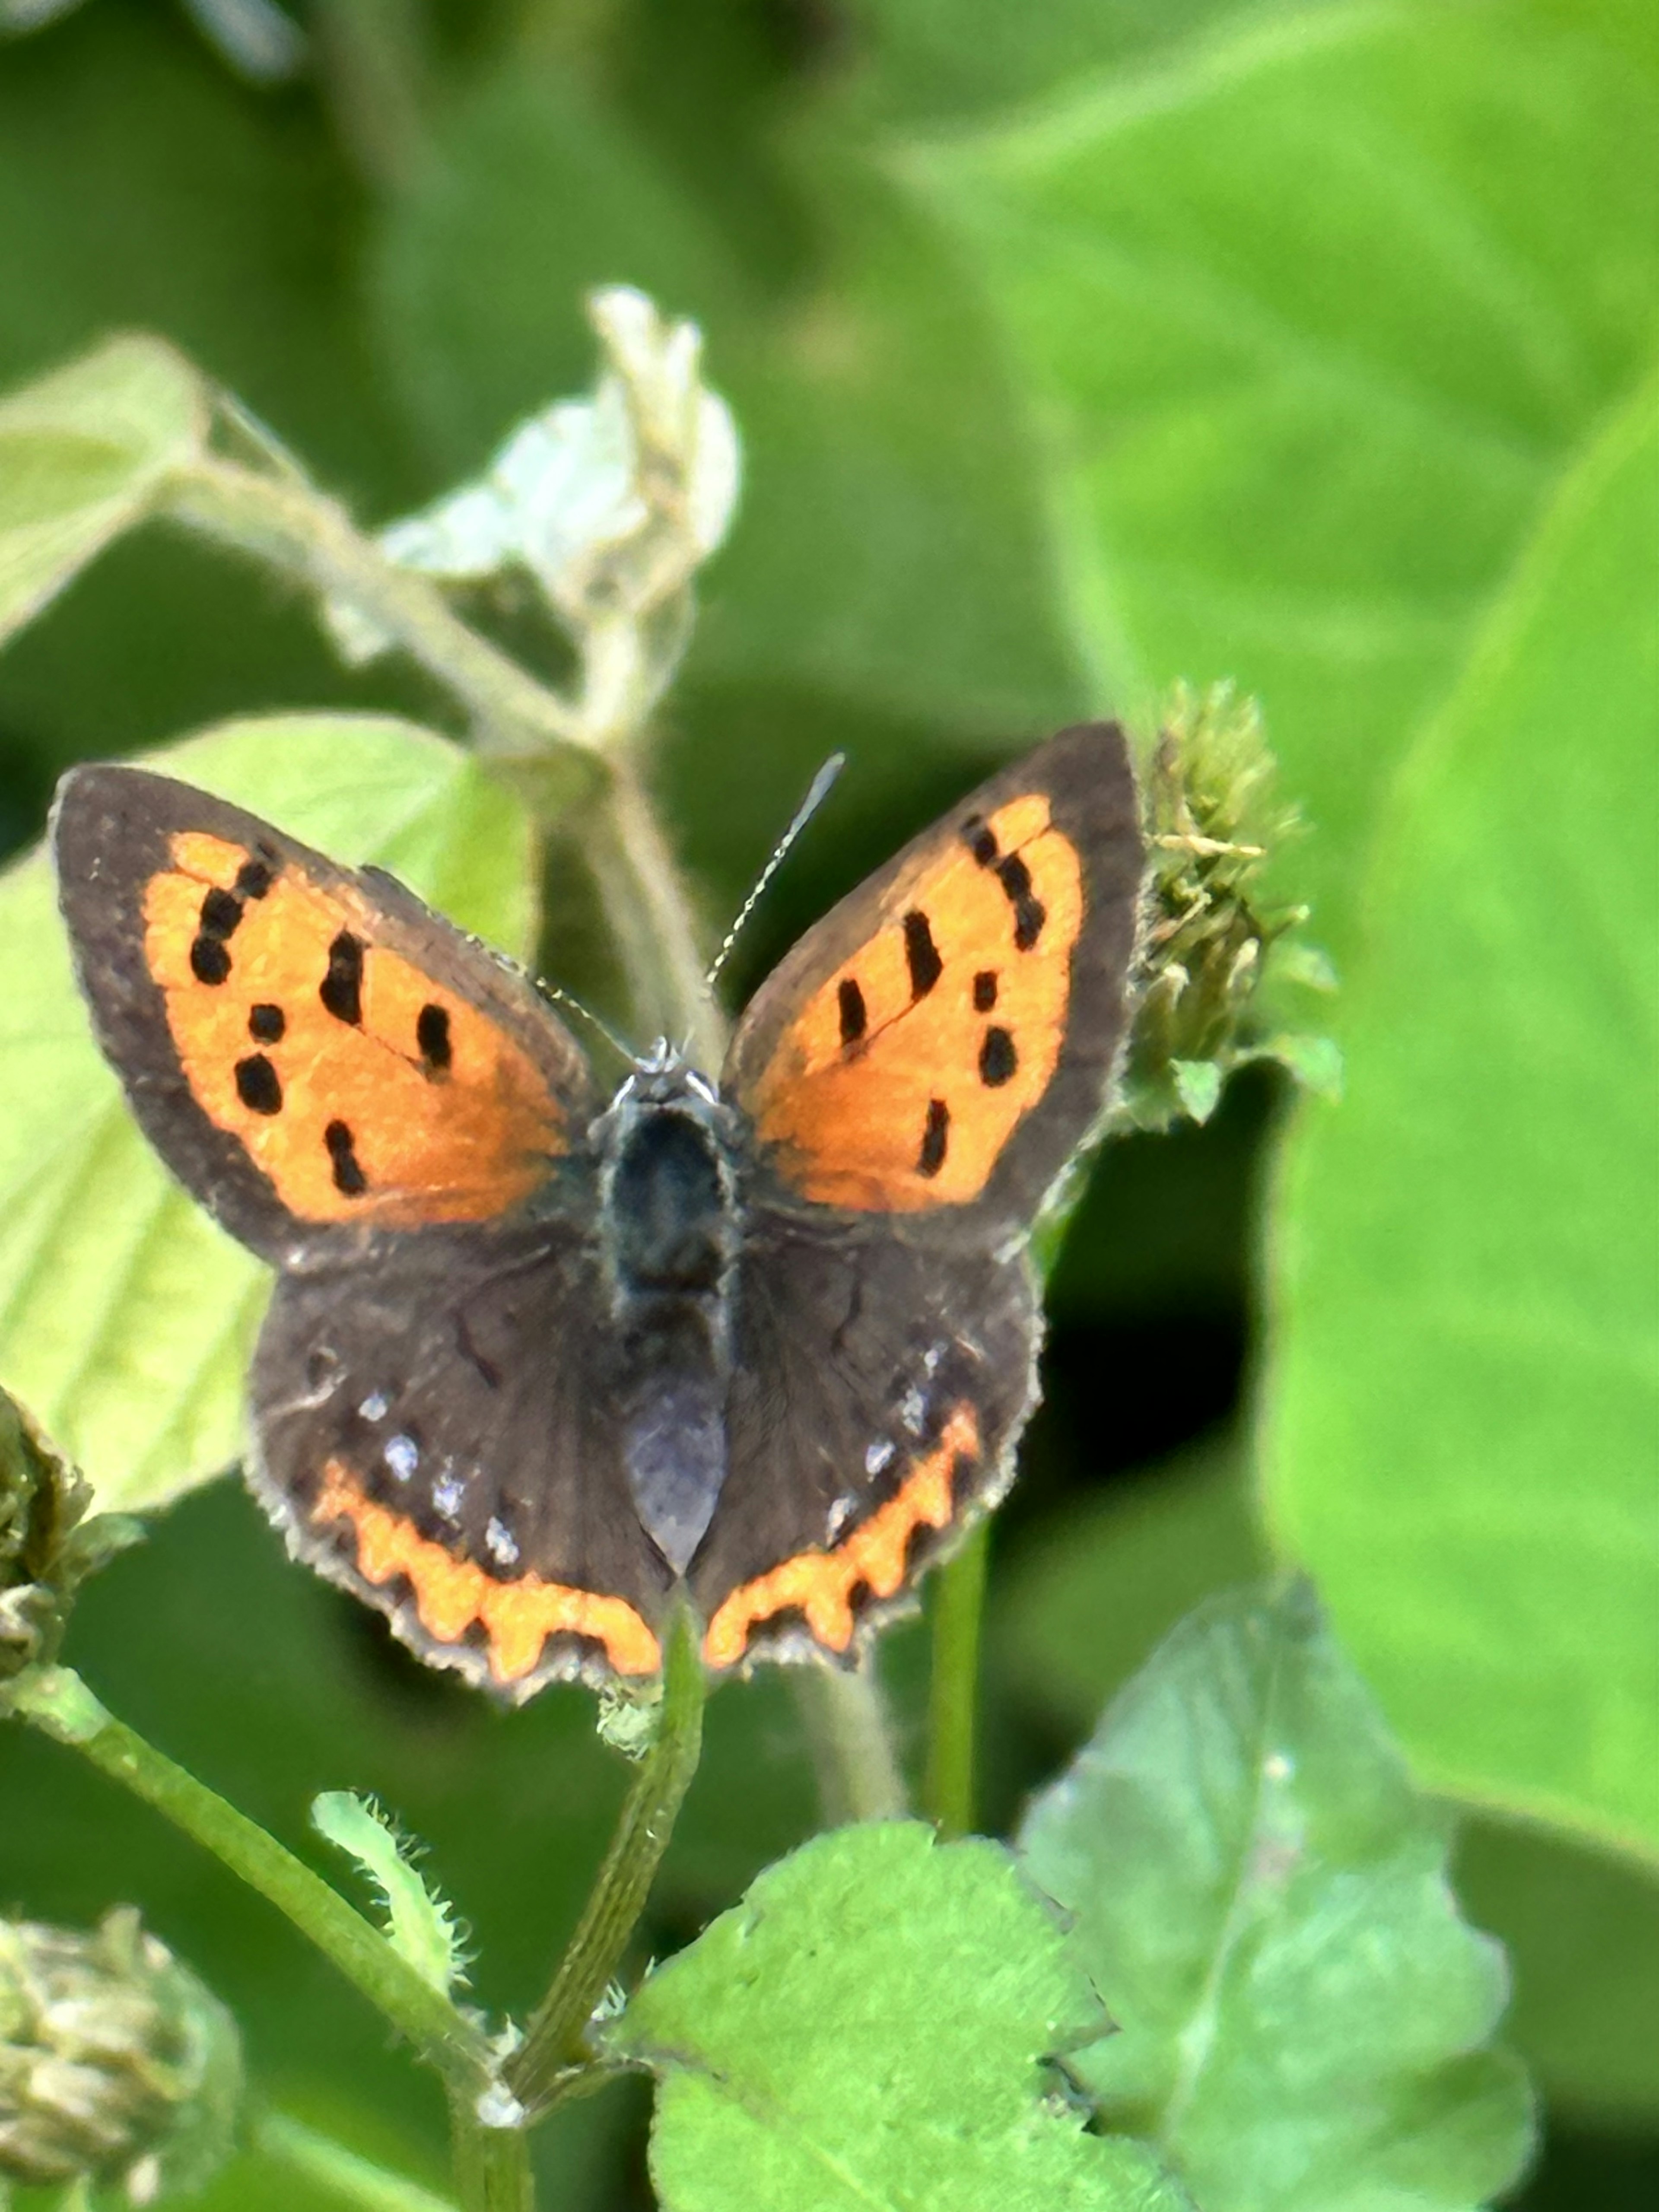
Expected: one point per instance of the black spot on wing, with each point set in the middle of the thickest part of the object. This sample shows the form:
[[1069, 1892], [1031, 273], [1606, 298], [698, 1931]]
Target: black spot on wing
[[997, 1059], [981, 839], [266, 1023], [432, 1036], [210, 963], [259, 1085], [348, 1176], [935, 1138], [855, 1016], [221, 912], [342, 989], [985, 990], [922, 954], [1029, 913], [253, 879]]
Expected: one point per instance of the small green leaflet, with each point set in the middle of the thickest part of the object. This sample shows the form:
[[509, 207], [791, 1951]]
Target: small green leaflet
[[866, 2033], [421, 1922], [1260, 1896]]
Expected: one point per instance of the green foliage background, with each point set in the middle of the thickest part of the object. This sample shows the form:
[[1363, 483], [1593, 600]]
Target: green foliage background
[[1076, 350]]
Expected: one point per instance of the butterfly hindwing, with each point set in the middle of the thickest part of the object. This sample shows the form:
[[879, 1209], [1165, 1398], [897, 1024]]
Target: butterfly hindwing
[[435, 1431], [879, 1382], [310, 1049], [945, 1037]]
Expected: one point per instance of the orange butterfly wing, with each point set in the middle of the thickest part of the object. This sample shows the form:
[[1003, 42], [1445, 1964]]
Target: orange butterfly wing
[[947, 1034], [303, 1045]]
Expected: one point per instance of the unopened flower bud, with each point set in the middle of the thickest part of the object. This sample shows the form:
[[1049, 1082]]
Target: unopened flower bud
[[1222, 956], [47, 1545], [117, 2066]]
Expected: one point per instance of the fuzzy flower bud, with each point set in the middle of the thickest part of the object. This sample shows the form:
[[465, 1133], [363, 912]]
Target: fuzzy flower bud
[[47, 1546], [1223, 959], [116, 2064]]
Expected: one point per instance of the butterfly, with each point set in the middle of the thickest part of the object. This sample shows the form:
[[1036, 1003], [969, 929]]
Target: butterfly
[[539, 1358]]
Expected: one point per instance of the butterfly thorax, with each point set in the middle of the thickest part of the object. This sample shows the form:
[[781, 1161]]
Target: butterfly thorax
[[669, 1235]]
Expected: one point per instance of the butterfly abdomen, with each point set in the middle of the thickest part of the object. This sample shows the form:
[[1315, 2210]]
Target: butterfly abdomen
[[670, 1231]]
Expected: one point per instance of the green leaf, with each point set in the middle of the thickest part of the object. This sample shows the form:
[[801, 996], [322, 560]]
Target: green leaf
[[1304, 2022], [1313, 311], [81, 454], [421, 1922], [922, 58], [1464, 1393], [866, 2029], [126, 1316]]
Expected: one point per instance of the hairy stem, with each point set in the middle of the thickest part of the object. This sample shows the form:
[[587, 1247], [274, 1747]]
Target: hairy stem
[[556, 2043], [57, 1702], [293, 526], [958, 1611], [649, 915], [851, 1736]]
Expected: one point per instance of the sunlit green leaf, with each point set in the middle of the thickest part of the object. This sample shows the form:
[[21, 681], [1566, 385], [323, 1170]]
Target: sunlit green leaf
[[1464, 1395], [1314, 310], [126, 1317], [1303, 2021], [866, 2028], [82, 452]]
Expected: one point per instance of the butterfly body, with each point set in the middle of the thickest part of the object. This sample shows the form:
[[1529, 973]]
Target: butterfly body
[[536, 1358]]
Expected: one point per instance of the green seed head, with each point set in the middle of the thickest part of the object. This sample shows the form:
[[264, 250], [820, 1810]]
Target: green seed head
[[117, 2066]]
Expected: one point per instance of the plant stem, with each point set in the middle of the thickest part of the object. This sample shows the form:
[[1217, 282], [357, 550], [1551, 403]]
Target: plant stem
[[851, 1735], [492, 2165], [650, 918], [293, 526], [958, 1612], [556, 2043], [354, 2179], [56, 1701]]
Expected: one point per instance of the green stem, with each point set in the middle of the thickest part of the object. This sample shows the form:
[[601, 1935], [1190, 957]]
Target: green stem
[[492, 2165], [556, 2043], [354, 2179], [649, 916], [851, 1737], [291, 525], [57, 1702], [958, 1612]]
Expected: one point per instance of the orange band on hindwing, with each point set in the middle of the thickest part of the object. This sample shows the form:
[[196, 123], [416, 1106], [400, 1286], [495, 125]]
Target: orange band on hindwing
[[905, 1073], [362, 1089], [821, 1584], [451, 1594]]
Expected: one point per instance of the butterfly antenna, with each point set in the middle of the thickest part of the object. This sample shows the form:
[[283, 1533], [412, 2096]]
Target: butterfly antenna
[[818, 792], [564, 998]]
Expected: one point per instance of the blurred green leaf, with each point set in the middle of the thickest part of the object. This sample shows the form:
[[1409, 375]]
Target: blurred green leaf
[[891, 545], [944, 58], [1303, 2021], [141, 186], [1581, 1929], [1464, 1394], [867, 2027], [127, 1317], [1087, 1594], [81, 452], [1315, 311], [1095, 1587]]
